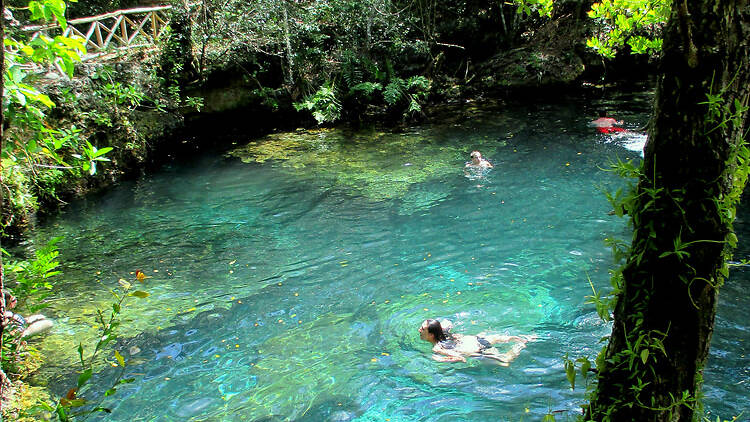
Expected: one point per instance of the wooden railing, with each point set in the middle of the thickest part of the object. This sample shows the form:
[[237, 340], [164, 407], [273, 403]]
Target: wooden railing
[[119, 30]]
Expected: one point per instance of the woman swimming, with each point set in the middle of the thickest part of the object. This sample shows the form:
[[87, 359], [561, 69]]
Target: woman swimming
[[447, 347]]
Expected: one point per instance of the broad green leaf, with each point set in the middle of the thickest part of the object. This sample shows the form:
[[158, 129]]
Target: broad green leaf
[[84, 377], [570, 373], [77, 402]]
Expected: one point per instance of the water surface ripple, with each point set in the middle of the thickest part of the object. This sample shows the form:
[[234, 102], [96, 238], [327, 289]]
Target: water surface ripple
[[292, 289]]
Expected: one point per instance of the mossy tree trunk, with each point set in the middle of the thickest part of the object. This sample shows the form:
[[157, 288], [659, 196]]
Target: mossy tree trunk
[[2, 200], [682, 217]]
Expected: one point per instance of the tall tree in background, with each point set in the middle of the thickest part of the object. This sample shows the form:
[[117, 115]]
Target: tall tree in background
[[695, 168]]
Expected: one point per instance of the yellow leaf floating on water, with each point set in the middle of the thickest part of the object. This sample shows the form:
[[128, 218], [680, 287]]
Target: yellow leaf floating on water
[[374, 360], [232, 262], [190, 310], [385, 354]]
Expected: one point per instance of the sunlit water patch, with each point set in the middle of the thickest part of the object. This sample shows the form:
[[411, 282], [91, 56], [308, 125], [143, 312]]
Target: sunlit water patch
[[287, 279]]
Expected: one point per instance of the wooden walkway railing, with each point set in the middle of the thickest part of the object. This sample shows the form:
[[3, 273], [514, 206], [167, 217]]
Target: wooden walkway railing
[[119, 30]]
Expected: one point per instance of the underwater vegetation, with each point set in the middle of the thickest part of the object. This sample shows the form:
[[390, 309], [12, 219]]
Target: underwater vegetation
[[377, 165]]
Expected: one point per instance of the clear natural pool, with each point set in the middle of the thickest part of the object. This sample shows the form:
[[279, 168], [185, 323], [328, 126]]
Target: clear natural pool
[[287, 282]]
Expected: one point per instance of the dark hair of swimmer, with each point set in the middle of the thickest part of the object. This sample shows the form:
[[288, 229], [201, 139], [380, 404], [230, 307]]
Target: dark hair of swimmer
[[434, 328], [602, 112]]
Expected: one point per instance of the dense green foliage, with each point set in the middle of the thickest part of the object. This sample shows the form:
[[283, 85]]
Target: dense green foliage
[[37, 158], [636, 24], [342, 59]]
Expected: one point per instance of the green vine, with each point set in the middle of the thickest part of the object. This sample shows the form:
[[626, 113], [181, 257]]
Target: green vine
[[643, 347]]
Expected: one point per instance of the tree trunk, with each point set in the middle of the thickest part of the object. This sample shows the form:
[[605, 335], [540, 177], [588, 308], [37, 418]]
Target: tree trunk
[[2, 198], [682, 218], [289, 55]]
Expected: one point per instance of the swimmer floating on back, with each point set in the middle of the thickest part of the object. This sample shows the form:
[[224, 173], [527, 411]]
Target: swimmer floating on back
[[27, 327], [606, 124], [447, 347]]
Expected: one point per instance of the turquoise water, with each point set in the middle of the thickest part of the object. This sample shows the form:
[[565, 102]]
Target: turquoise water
[[292, 289]]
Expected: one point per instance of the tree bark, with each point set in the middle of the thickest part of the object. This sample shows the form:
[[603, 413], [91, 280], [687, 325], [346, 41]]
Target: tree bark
[[2, 198], [289, 55], [682, 218]]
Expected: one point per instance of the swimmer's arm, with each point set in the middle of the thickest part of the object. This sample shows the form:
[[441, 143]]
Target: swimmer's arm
[[441, 358], [447, 355], [497, 338]]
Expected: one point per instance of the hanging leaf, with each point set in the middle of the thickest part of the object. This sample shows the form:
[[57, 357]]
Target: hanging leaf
[[570, 373], [84, 377], [119, 358], [125, 285]]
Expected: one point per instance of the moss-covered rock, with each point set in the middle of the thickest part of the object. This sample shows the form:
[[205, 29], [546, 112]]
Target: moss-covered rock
[[552, 56]]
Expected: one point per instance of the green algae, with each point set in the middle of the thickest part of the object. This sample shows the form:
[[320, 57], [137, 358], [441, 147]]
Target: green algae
[[377, 165]]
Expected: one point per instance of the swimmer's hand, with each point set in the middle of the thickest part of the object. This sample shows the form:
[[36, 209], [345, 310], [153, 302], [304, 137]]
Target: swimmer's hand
[[523, 339]]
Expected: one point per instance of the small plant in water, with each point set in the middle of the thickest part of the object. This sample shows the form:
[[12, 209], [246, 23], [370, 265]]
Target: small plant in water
[[74, 405]]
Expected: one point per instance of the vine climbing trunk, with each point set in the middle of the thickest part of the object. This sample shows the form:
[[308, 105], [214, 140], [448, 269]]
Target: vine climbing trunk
[[682, 212]]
